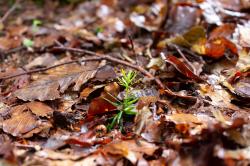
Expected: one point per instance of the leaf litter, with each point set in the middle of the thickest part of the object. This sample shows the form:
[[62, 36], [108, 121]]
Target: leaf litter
[[187, 104]]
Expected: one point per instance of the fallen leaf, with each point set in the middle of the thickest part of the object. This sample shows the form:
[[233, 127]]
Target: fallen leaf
[[101, 105], [215, 48], [187, 39], [146, 101], [40, 109], [182, 18], [58, 80], [20, 124], [183, 118], [7, 151], [9, 43], [105, 73], [87, 91], [130, 149], [182, 68], [42, 61], [23, 123]]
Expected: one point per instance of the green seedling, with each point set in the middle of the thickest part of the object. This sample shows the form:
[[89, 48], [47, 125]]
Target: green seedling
[[36, 24], [98, 30], [28, 42], [127, 105]]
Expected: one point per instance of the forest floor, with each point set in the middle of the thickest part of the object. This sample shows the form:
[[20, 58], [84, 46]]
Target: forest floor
[[135, 82]]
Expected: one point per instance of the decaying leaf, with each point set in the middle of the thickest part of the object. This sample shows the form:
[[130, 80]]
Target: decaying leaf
[[87, 91], [50, 87], [191, 93]]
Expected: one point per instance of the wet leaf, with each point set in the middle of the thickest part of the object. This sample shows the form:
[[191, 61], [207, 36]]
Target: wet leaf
[[215, 48]]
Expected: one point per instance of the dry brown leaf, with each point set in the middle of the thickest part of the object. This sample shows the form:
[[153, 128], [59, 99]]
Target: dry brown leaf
[[58, 80], [45, 61], [39, 108], [23, 123], [131, 149], [146, 101], [7, 43], [20, 124], [183, 118]]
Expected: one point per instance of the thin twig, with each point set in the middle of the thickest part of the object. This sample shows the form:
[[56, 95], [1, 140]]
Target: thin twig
[[8, 13], [166, 16], [51, 67], [185, 59], [132, 44]]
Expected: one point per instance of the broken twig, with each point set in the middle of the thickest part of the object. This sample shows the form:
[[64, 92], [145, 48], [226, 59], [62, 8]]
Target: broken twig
[[8, 13]]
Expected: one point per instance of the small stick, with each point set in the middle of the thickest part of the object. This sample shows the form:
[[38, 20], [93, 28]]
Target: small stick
[[8, 13], [50, 67], [184, 57]]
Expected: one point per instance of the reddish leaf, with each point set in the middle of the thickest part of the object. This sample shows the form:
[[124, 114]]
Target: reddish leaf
[[216, 48], [88, 139], [100, 106], [182, 68]]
